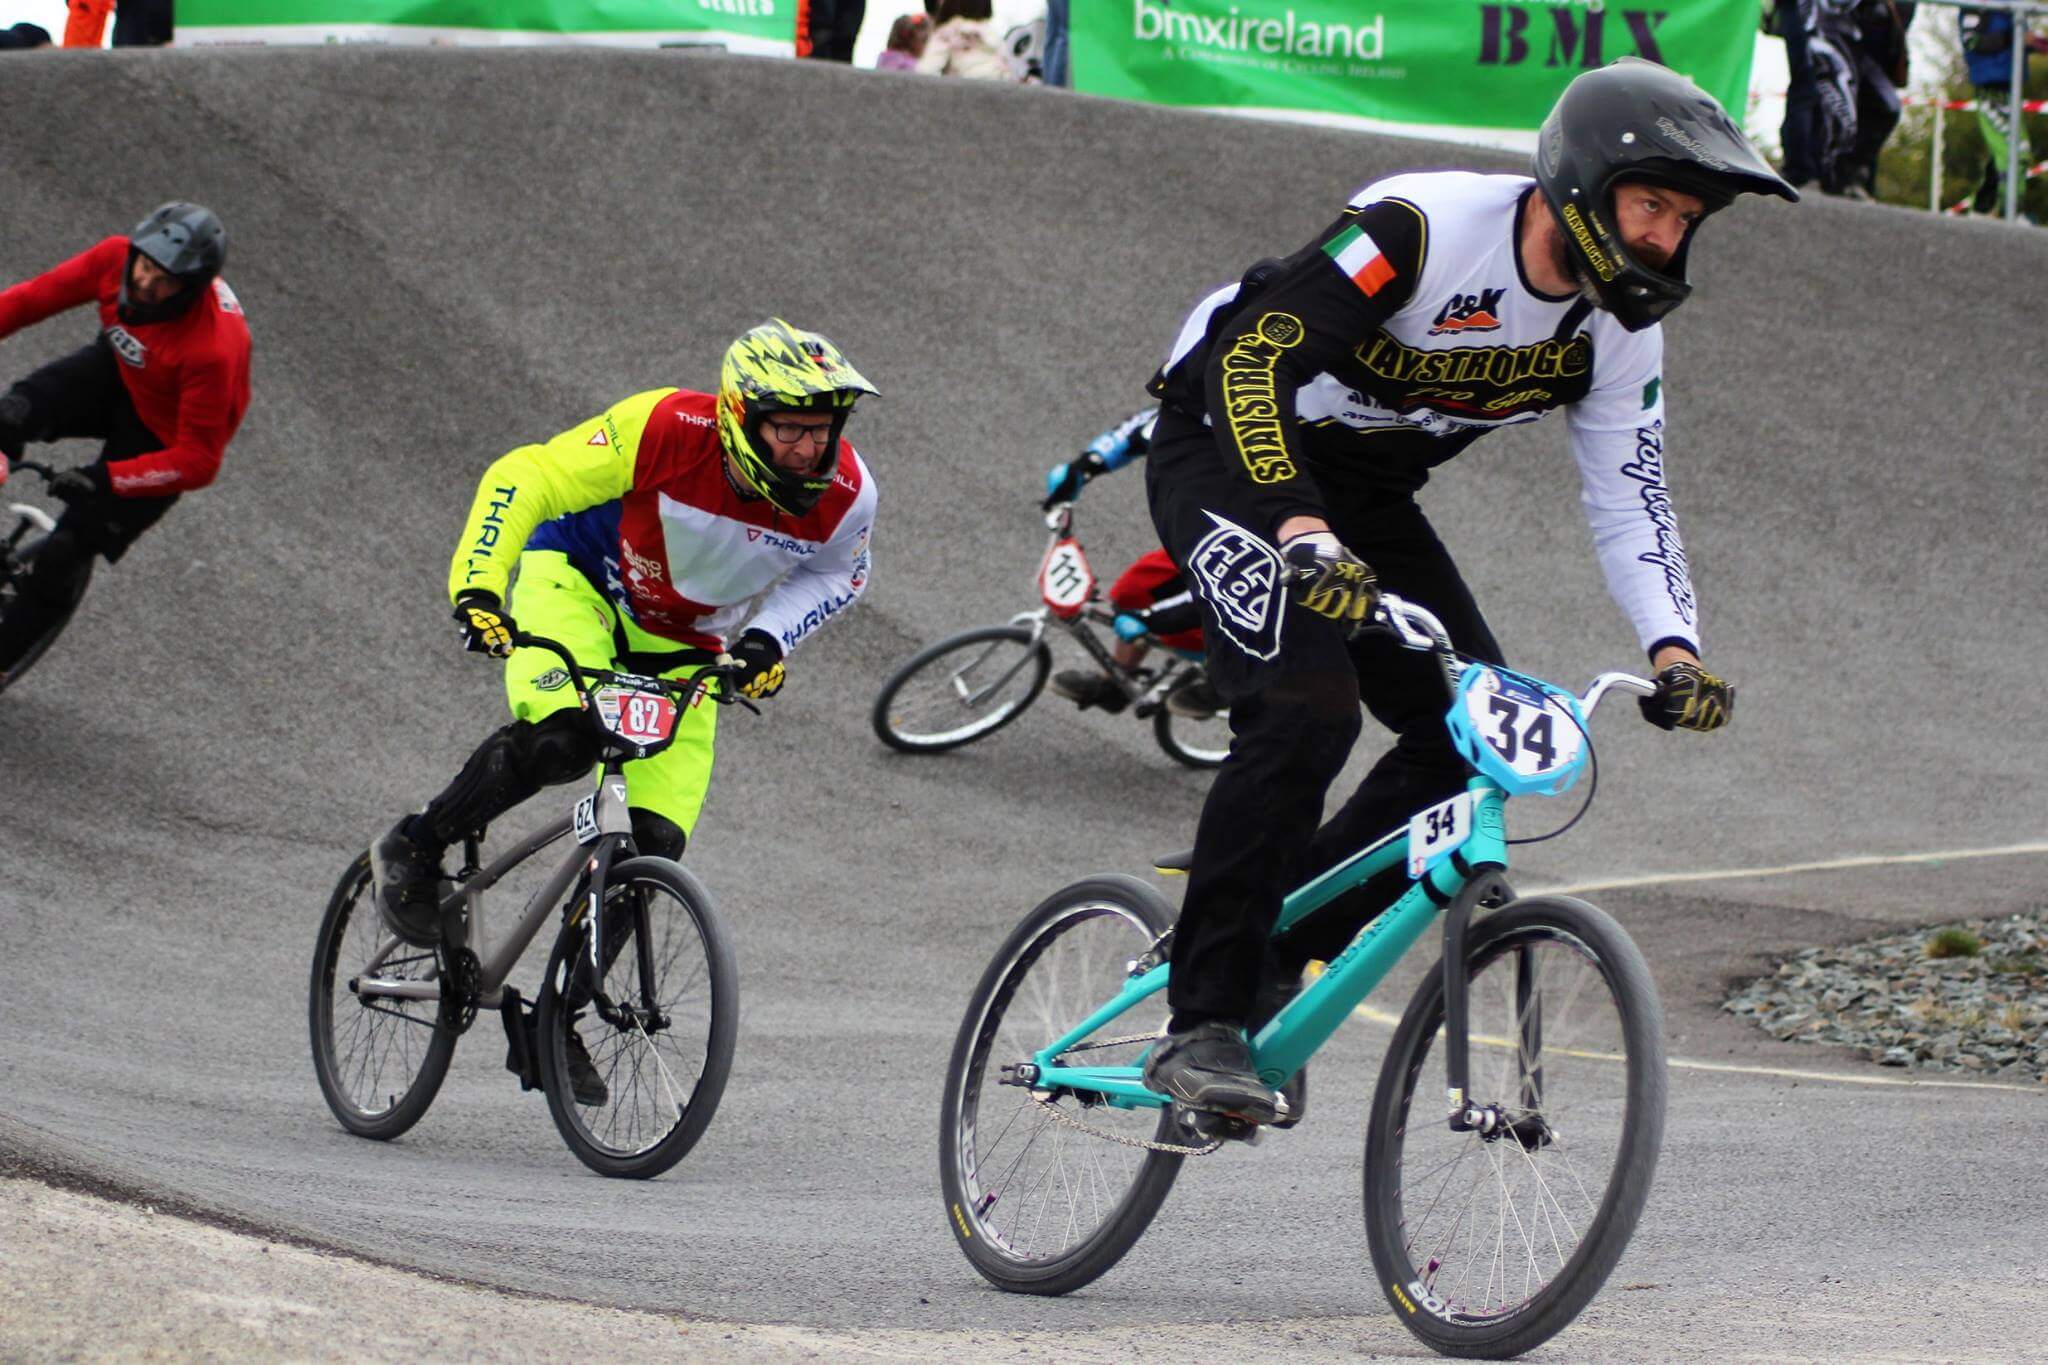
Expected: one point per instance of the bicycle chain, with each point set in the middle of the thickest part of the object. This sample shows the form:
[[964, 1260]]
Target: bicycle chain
[[1060, 1115]]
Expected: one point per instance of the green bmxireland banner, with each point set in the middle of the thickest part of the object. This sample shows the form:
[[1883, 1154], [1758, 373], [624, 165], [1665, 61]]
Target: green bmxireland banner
[[1444, 63], [745, 25]]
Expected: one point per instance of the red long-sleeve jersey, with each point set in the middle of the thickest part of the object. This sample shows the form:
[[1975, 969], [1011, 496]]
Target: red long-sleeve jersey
[[188, 377]]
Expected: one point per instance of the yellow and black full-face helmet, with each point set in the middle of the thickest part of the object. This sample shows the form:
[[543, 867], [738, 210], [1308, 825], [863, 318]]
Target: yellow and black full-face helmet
[[779, 368]]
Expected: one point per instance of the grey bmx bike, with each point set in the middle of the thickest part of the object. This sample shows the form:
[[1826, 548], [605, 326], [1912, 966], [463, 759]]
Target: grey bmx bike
[[641, 991]]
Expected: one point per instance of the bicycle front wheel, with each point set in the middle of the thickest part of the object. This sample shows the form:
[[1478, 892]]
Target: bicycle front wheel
[[1487, 1243], [1197, 741], [380, 1053], [634, 1071], [960, 689], [1045, 1192], [10, 593]]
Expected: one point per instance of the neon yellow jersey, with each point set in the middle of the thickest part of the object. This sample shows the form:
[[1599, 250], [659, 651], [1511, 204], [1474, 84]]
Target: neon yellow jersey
[[640, 501], [589, 464]]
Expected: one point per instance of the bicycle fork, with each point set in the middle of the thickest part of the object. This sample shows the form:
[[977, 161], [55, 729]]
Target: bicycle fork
[[1490, 1121]]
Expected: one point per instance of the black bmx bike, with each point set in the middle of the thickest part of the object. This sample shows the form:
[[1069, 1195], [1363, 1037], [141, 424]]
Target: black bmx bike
[[23, 529]]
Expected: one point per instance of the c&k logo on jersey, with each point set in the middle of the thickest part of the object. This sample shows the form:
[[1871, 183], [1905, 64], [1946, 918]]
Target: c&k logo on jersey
[[1469, 313], [131, 351]]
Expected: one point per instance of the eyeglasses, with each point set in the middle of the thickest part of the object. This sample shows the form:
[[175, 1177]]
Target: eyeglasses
[[790, 433]]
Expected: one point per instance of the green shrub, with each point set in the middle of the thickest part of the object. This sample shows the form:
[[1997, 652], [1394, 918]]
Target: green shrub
[[1953, 943]]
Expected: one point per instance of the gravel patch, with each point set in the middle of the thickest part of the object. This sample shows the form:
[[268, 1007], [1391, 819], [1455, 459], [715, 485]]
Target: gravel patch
[[1968, 996]]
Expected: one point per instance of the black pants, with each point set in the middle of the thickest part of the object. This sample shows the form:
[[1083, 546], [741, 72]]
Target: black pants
[[79, 396], [1294, 682]]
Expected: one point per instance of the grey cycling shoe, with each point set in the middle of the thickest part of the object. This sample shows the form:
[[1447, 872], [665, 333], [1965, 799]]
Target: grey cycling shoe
[[1209, 1067]]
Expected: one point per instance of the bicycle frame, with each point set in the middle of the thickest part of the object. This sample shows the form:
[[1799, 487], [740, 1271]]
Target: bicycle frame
[[1472, 874], [1475, 872]]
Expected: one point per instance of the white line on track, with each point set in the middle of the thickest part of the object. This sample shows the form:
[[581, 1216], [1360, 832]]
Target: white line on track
[[1380, 1016], [1788, 869]]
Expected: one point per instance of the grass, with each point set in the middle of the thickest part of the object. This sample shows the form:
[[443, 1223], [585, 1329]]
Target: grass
[[1953, 943]]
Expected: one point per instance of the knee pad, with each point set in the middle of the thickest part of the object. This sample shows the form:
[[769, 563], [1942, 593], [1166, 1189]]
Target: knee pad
[[490, 784], [657, 835], [16, 417], [554, 749]]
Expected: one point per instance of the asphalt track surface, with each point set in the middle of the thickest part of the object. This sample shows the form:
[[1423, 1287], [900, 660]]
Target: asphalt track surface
[[444, 254]]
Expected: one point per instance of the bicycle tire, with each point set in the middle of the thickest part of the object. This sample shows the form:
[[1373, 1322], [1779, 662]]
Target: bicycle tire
[[974, 1177], [644, 1127], [892, 717], [49, 637], [1184, 743], [1522, 1005], [354, 1050]]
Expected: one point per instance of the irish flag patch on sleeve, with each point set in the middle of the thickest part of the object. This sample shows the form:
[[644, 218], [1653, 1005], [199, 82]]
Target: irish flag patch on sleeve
[[1360, 258]]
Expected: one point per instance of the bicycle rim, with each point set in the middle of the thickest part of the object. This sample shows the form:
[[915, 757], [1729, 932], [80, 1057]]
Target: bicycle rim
[[663, 1071], [1198, 742], [1038, 1204], [1489, 1245], [961, 689], [380, 1059]]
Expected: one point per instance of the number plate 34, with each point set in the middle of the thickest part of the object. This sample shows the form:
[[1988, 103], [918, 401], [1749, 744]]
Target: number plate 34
[[1520, 731]]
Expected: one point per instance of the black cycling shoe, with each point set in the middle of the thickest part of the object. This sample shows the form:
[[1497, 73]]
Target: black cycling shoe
[[1086, 689], [584, 1082], [1195, 699], [405, 878], [1277, 990], [1209, 1067]]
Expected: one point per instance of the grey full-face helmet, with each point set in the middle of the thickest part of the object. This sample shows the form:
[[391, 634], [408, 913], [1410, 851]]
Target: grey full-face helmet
[[185, 240], [1634, 120]]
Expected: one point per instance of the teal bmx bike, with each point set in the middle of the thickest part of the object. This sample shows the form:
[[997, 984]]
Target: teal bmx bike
[[1515, 1127]]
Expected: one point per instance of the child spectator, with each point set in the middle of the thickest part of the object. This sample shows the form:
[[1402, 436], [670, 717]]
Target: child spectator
[[963, 45], [907, 39]]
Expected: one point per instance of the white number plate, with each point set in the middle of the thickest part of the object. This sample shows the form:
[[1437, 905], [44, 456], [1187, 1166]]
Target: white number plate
[[1531, 732], [1433, 833], [1065, 580], [635, 716], [586, 820]]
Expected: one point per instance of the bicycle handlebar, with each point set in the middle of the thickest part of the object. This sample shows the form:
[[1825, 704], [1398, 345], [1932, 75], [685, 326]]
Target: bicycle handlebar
[[684, 690], [1417, 627]]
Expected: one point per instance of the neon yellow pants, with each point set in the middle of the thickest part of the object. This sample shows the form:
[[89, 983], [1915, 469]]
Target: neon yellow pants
[[551, 598]]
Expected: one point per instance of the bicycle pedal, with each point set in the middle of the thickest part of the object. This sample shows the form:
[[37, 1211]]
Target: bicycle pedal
[[1205, 1126]]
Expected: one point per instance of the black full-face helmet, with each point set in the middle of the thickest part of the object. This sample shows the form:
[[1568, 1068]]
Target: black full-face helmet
[[1634, 120], [186, 241]]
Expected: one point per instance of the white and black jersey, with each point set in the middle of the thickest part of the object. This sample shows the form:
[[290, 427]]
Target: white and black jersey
[[1345, 372]]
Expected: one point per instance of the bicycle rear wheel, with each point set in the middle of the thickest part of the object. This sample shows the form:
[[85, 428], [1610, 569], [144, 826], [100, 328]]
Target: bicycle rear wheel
[[662, 1058], [10, 592], [380, 1058], [960, 689], [1488, 1245], [1039, 1206]]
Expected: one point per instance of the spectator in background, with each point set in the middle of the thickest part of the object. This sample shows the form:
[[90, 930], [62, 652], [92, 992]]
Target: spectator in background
[[1880, 54], [142, 23], [1058, 23], [825, 29], [23, 36], [907, 37], [1819, 132], [85, 22], [963, 43], [1987, 50]]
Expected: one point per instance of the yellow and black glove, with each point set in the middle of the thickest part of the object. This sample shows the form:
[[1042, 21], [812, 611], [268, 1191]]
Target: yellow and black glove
[[1689, 698], [487, 628], [759, 657], [1330, 580]]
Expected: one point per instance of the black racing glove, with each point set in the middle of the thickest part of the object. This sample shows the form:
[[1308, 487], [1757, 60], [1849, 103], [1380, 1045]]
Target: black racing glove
[[1689, 698], [1330, 580], [759, 657], [75, 486], [487, 628], [1063, 482]]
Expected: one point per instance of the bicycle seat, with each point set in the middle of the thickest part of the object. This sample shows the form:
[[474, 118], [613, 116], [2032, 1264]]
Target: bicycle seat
[[1174, 864]]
